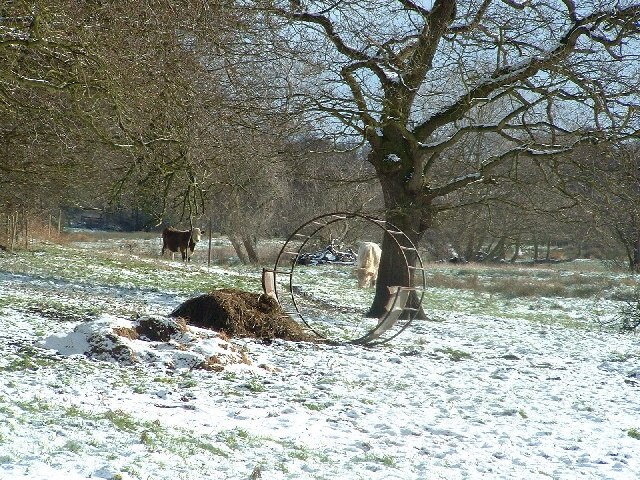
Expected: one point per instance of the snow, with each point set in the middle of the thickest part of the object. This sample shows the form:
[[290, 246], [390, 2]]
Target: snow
[[469, 177], [496, 396], [390, 75], [74, 343]]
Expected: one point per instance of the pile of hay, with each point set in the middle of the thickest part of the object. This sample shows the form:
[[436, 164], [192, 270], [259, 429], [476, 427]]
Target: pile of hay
[[241, 314]]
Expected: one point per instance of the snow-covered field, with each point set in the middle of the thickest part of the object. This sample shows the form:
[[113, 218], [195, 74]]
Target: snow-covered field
[[492, 387]]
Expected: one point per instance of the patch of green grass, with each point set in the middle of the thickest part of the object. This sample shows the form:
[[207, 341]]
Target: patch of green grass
[[152, 430], [300, 453], [188, 383], [139, 389], [454, 354], [255, 385], [33, 406], [122, 420], [148, 439], [72, 446], [132, 471], [74, 412], [634, 433], [62, 311], [541, 311], [19, 364], [237, 438], [623, 357], [386, 460], [165, 380], [316, 406], [153, 435], [194, 443], [121, 269], [12, 301], [29, 358]]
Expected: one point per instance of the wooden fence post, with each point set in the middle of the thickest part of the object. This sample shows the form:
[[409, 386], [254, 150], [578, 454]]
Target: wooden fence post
[[14, 230], [210, 235], [26, 230]]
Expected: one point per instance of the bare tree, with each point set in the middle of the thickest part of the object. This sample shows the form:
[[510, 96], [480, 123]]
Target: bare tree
[[115, 102], [605, 182], [46, 81], [411, 79]]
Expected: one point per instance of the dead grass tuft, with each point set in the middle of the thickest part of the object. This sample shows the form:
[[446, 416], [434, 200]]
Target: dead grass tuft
[[211, 364], [126, 332], [523, 283]]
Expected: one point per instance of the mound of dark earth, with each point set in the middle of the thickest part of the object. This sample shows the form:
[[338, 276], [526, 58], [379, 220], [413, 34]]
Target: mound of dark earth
[[237, 313]]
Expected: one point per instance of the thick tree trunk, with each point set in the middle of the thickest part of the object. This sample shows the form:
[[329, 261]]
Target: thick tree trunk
[[635, 266], [408, 213], [469, 251], [251, 246], [516, 252], [239, 248], [548, 254], [499, 251]]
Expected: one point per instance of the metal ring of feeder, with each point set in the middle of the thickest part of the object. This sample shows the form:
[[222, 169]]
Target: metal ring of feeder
[[397, 312]]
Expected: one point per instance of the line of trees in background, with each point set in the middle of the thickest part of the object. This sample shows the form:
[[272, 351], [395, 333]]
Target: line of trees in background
[[165, 114]]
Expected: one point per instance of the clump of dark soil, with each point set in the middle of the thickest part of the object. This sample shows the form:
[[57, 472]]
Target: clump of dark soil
[[241, 314], [159, 331], [153, 329]]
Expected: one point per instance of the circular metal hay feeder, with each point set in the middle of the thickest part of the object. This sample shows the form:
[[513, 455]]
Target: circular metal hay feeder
[[397, 315]]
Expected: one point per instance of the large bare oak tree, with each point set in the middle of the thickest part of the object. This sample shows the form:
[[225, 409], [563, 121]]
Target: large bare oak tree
[[416, 79]]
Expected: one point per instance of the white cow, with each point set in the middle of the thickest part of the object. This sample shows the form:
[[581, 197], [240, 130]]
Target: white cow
[[368, 263]]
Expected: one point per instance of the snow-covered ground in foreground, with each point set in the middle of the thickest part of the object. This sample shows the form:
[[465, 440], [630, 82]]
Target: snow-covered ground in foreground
[[468, 396]]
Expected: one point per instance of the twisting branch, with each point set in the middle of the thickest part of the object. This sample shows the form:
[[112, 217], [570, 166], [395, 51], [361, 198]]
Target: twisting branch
[[475, 22], [512, 74], [327, 26], [493, 162]]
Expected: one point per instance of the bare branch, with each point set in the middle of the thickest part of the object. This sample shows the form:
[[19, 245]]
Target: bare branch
[[327, 26], [511, 74], [475, 21], [495, 161]]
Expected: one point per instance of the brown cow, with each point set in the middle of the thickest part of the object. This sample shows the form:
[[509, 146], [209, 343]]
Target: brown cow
[[182, 240]]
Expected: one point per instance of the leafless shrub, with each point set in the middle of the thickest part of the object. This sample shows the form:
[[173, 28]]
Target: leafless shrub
[[629, 314]]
